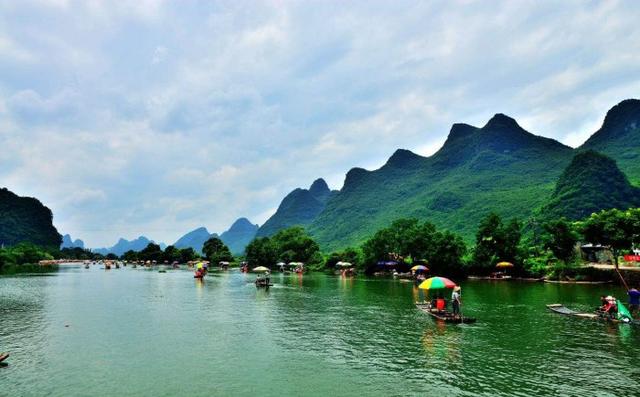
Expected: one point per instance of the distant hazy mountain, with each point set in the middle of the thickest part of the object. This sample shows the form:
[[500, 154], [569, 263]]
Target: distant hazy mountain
[[26, 219], [194, 239], [239, 235], [619, 137], [67, 242], [124, 245], [298, 208], [592, 182]]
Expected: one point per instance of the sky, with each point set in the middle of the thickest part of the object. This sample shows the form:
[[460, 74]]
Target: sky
[[152, 118]]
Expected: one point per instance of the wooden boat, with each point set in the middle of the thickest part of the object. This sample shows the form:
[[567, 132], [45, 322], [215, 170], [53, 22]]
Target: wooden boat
[[562, 309], [3, 356], [263, 283], [446, 317]]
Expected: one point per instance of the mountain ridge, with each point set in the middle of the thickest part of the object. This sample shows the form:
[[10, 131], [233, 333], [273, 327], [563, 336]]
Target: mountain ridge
[[239, 235]]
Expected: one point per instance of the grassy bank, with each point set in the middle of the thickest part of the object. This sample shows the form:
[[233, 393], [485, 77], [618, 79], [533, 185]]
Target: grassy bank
[[12, 269]]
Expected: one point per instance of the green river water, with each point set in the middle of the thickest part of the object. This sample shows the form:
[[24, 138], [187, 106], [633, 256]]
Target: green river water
[[137, 332]]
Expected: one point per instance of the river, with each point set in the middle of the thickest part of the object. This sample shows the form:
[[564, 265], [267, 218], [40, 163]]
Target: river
[[137, 332]]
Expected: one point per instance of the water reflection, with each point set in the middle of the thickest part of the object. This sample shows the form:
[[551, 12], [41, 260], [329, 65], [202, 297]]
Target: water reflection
[[442, 342]]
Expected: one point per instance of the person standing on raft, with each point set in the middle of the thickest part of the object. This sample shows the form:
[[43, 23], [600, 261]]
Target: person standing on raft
[[634, 301], [456, 301]]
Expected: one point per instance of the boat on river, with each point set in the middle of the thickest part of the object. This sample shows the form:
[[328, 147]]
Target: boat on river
[[444, 316], [3, 356], [562, 309], [263, 282]]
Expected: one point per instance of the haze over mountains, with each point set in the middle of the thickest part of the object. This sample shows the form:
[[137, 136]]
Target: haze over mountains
[[241, 232], [239, 235], [124, 245], [68, 242]]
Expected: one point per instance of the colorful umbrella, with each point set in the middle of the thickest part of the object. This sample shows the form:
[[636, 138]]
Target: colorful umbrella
[[260, 269], [437, 283], [504, 264], [419, 267]]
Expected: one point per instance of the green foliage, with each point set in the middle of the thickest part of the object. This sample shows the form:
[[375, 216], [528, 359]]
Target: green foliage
[[25, 219], [615, 229], [350, 254], [592, 182], [130, 256], [537, 263], [298, 208], [262, 252], [215, 251], [410, 238], [496, 242], [152, 252], [77, 253], [560, 239], [288, 245], [187, 254], [619, 137], [498, 168], [22, 254]]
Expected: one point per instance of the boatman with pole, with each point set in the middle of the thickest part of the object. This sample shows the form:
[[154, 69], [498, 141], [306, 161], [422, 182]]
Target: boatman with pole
[[455, 301]]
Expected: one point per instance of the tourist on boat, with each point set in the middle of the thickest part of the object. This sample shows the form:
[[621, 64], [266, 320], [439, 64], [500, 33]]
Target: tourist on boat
[[441, 303], [611, 307], [455, 301], [634, 301], [603, 303]]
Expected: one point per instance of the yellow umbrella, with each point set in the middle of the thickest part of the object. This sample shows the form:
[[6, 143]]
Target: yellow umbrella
[[504, 264]]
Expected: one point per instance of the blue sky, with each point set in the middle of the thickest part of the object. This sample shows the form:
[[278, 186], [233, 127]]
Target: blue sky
[[154, 118]]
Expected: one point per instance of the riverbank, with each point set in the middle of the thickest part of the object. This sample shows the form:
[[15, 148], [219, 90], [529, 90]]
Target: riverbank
[[9, 270]]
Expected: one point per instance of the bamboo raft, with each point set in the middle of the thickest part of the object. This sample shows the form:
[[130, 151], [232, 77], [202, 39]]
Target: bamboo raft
[[3, 356], [562, 309], [446, 317]]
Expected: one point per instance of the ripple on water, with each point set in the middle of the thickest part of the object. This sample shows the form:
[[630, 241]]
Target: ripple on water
[[135, 332]]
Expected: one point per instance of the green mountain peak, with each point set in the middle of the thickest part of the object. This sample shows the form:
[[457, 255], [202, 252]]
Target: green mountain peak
[[590, 183]]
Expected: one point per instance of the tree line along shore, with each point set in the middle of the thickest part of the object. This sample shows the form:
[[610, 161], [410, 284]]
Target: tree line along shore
[[555, 249]]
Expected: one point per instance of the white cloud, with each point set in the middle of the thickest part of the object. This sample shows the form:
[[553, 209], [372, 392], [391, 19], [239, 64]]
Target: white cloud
[[157, 117]]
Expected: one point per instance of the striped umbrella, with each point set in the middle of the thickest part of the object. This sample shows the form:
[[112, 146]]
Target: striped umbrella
[[419, 267], [437, 283]]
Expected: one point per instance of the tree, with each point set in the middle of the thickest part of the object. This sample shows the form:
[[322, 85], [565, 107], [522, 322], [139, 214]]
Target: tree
[[408, 238], [130, 256], [187, 254], [618, 230], [261, 252], [171, 254], [216, 251], [152, 252], [561, 239], [295, 245], [496, 242], [351, 255]]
